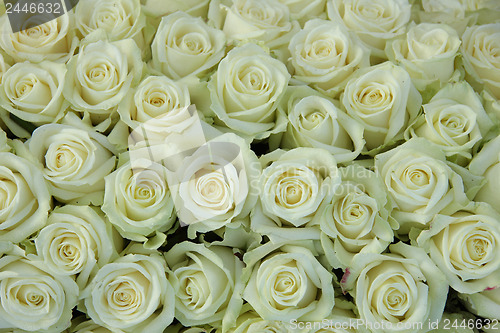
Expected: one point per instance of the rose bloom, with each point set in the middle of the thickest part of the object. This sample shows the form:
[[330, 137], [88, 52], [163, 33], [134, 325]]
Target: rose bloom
[[52, 40], [305, 10], [77, 240], [384, 100], [324, 54], [288, 282], [480, 59], [137, 200], [375, 22], [74, 161], [206, 281], [427, 53], [403, 288], [33, 92], [487, 164], [465, 247], [293, 185], [25, 199], [356, 220], [120, 19], [32, 297], [157, 107], [213, 186], [266, 21], [132, 293], [101, 74], [420, 182], [184, 45], [454, 119], [246, 89], [317, 122]]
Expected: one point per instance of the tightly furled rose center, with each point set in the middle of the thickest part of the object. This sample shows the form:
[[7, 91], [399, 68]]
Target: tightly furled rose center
[[293, 190], [101, 75], [472, 246], [214, 190], [66, 160], [145, 188]]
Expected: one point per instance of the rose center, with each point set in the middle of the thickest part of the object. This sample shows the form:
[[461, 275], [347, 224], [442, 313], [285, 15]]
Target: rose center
[[312, 119]]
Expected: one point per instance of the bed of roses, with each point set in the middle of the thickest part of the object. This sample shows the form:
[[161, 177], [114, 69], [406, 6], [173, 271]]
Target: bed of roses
[[251, 166]]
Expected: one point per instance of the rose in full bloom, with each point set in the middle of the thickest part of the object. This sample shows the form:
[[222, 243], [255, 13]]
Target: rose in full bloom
[[384, 100], [214, 186], [375, 22], [427, 53], [324, 54], [137, 200], [101, 74], [33, 92], [487, 163], [132, 293], [292, 187], [304, 10], [73, 160], [454, 119], [24, 200], [246, 89], [52, 40], [207, 281], [317, 122], [120, 19], [288, 282], [266, 21], [77, 240], [33, 298], [420, 183], [356, 220], [185, 45], [158, 107], [400, 289], [480, 59], [464, 246]]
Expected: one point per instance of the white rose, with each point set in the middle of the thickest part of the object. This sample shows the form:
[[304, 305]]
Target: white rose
[[315, 121], [101, 74], [77, 240], [207, 283], [384, 100], [356, 220], [246, 89], [31, 297], [487, 163], [464, 247], [266, 21], [120, 19], [454, 119], [159, 8], [158, 107], [427, 53], [74, 161], [52, 40], [288, 282], [292, 187], [396, 292], [420, 183], [90, 327], [25, 199], [304, 10], [33, 92], [485, 303], [324, 54], [480, 60], [4, 142], [137, 200], [375, 22], [250, 322], [131, 294], [214, 185], [185, 45], [4, 66]]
